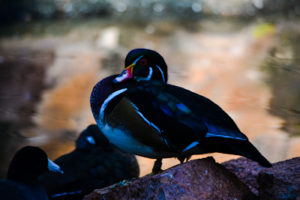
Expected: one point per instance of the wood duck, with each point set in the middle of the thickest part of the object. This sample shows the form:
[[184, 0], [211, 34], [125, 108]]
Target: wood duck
[[23, 173], [140, 113], [95, 163]]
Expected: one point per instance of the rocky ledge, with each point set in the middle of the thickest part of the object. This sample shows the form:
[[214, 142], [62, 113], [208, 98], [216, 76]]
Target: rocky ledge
[[282, 181], [206, 179]]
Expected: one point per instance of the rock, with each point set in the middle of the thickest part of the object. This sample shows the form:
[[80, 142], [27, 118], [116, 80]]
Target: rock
[[282, 181], [197, 179], [246, 170]]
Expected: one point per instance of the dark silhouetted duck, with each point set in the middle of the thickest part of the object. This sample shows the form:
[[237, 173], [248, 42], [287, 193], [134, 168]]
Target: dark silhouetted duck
[[140, 113], [23, 172], [95, 163]]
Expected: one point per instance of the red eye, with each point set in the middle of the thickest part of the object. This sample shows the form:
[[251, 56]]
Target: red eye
[[143, 61]]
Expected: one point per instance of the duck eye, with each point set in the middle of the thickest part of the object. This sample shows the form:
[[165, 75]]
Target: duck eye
[[143, 62]]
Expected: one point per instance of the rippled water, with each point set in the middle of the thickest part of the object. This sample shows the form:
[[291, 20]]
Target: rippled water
[[251, 69]]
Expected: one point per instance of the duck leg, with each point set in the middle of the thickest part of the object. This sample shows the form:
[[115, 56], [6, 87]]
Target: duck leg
[[182, 158], [157, 166]]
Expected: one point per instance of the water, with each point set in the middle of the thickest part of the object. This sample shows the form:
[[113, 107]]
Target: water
[[250, 68], [282, 67]]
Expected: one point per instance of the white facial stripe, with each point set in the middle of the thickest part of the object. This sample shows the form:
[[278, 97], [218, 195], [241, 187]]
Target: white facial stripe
[[90, 140], [149, 74], [193, 144], [162, 73], [107, 100], [137, 59], [54, 167]]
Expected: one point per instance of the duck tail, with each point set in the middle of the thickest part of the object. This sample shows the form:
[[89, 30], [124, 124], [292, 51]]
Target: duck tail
[[248, 150], [234, 146]]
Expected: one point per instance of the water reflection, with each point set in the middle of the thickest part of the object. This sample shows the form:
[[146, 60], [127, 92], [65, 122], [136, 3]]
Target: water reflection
[[282, 67], [223, 60]]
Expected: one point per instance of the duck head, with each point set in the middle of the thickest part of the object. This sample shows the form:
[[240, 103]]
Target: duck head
[[144, 64], [90, 138], [29, 163], [140, 64]]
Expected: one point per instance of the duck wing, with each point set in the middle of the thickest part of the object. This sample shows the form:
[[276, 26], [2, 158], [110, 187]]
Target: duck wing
[[217, 121], [173, 119]]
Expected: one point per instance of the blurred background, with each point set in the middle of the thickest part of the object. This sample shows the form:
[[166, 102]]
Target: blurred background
[[242, 54]]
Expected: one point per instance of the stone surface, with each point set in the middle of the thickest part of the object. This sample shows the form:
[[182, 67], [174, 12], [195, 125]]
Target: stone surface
[[197, 179], [246, 170], [282, 181]]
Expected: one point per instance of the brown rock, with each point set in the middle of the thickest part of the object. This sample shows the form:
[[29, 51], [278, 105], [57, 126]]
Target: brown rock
[[246, 170], [197, 179], [282, 181]]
